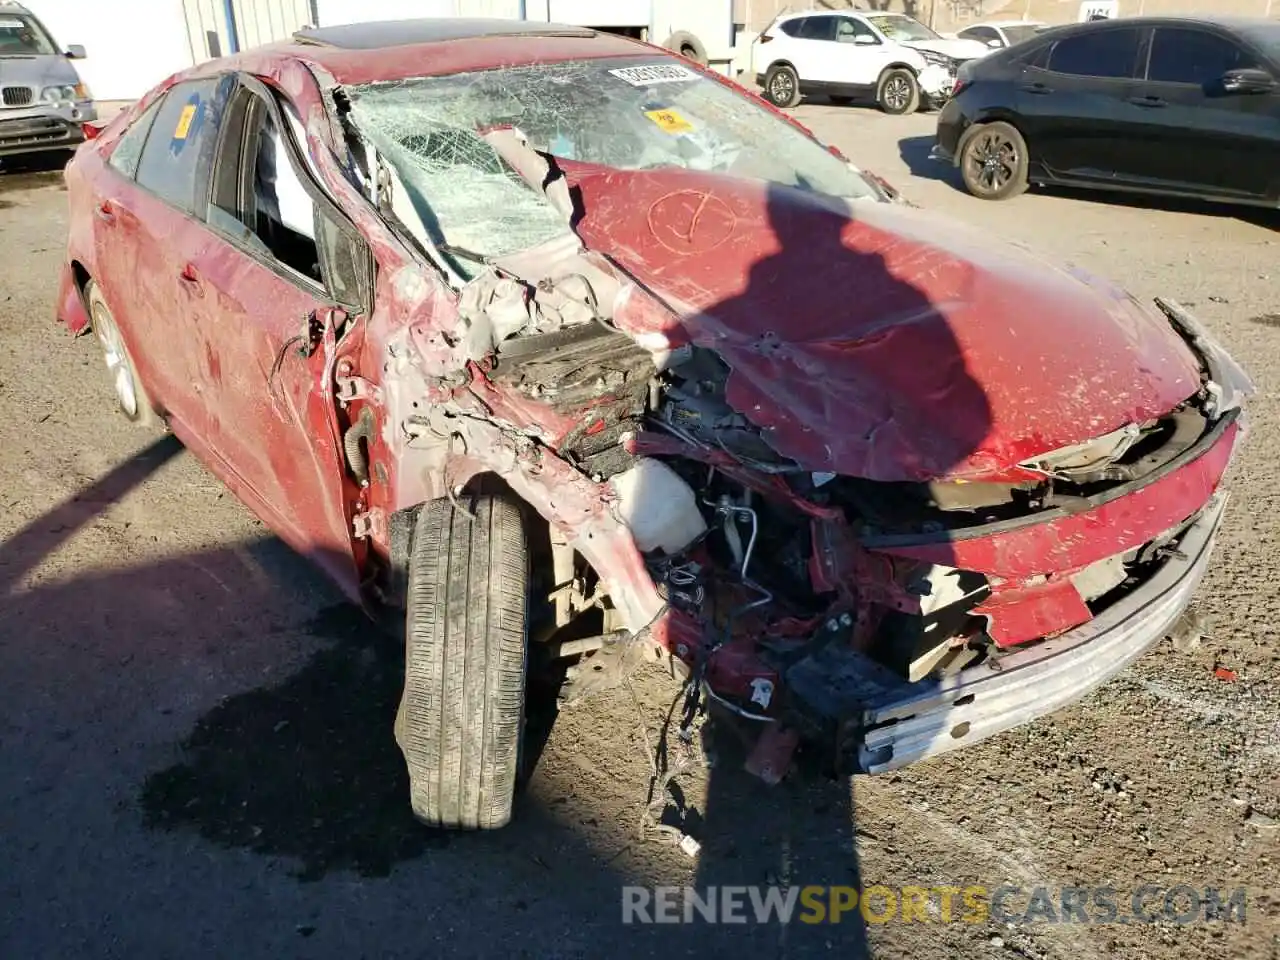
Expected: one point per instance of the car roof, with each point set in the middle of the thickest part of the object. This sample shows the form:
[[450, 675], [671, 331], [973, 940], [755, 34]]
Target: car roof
[[1224, 20], [378, 35], [1005, 23], [383, 51], [6, 6], [827, 12]]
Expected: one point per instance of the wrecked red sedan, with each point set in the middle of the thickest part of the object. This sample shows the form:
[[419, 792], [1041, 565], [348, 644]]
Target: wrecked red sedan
[[546, 340]]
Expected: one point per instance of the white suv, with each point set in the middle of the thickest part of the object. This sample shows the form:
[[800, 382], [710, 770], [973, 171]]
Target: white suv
[[896, 59]]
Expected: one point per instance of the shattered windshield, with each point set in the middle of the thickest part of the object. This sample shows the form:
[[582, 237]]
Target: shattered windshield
[[628, 113], [898, 27]]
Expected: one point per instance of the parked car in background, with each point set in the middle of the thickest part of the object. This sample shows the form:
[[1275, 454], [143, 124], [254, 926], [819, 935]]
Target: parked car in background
[[1178, 106], [43, 103], [998, 34], [890, 57], [544, 342]]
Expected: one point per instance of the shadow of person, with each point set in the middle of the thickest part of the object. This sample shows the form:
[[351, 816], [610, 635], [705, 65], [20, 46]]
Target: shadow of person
[[839, 344]]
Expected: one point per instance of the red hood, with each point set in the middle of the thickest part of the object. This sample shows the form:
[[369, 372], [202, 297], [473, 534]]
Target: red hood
[[877, 340]]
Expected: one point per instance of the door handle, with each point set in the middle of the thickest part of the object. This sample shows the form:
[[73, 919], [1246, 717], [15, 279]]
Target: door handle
[[190, 278], [1148, 102], [1038, 88], [105, 212]]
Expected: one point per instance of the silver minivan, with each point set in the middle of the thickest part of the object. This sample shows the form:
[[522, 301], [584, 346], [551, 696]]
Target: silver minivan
[[43, 103]]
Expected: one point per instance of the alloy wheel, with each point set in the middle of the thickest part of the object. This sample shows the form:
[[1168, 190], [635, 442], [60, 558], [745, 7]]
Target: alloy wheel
[[992, 161], [117, 363], [781, 87], [897, 93]]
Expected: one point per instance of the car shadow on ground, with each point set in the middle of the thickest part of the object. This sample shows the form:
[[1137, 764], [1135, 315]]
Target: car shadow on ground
[[101, 673], [914, 152], [30, 171]]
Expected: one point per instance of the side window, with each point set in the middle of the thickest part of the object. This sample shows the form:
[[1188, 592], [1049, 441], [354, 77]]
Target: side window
[[179, 152], [1038, 58], [819, 28], [979, 33], [128, 149], [848, 30], [793, 28], [1179, 55], [1109, 54], [259, 198]]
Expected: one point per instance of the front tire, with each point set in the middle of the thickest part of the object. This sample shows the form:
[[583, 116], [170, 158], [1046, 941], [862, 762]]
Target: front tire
[[994, 162], [782, 86], [898, 92], [461, 717], [131, 396]]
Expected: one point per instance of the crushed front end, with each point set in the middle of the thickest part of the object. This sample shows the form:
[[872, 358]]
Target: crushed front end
[[877, 483]]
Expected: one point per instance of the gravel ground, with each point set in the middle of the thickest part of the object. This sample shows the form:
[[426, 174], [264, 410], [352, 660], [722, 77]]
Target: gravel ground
[[195, 744]]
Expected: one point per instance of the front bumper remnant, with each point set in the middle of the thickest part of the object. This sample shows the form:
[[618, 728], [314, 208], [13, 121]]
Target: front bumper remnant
[[880, 722], [1019, 687]]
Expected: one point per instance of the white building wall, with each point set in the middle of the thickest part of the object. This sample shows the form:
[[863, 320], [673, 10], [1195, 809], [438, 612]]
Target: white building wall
[[131, 47], [267, 21]]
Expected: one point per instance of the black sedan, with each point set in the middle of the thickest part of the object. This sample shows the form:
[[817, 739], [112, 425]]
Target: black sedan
[[1175, 106]]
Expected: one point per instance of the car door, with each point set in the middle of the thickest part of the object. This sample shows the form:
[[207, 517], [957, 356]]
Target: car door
[[860, 54], [1197, 133], [1075, 100], [816, 55], [282, 275], [145, 226]]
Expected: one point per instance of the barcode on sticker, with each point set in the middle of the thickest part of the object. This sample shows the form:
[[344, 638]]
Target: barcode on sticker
[[657, 73]]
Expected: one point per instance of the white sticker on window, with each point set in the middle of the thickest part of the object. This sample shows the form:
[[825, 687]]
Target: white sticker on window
[[657, 73], [11, 24]]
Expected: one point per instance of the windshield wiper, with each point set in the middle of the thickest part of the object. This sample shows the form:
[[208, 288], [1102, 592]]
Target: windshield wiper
[[462, 252]]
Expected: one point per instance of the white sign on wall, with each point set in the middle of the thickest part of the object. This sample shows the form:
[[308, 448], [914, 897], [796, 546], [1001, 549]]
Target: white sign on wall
[[1099, 10]]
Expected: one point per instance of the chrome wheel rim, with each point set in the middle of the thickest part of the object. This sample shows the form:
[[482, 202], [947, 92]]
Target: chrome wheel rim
[[114, 356], [781, 87], [991, 161], [897, 93]]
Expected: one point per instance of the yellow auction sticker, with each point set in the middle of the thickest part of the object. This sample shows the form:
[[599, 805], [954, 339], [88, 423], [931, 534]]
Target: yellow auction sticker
[[184, 122], [669, 121]]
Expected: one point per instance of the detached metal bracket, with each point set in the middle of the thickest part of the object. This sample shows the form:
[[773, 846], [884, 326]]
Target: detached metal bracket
[[364, 525], [355, 388]]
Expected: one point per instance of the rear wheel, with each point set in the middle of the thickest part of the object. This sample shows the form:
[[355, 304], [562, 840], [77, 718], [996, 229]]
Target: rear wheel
[[782, 86], [131, 397], [898, 92], [461, 717], [993, 162]]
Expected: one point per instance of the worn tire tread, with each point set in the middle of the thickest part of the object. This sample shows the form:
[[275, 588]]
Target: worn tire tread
[[461, 716]]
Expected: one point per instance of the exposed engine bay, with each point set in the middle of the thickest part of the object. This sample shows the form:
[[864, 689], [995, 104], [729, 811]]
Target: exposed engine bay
[[745, 540]]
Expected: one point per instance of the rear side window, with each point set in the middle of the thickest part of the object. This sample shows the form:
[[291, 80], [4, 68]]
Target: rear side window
[[128, 149], [179, 152], [1101, 53], [792, 28], [978, 33], [818, 28], [1179, 55]]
